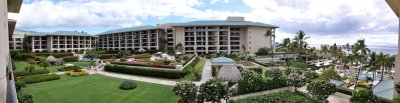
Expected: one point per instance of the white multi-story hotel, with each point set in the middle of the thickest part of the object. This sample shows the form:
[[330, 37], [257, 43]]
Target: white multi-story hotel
[[62, 41], [16, 42], [234, 35]]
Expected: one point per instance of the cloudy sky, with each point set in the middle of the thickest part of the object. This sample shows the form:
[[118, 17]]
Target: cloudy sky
[[325, 21]]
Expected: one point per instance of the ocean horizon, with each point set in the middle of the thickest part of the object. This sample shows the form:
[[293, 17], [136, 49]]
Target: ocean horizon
[[392, 50]]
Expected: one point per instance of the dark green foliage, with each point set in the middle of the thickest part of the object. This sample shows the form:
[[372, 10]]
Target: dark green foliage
[[106, 56], [258, 70], [34, 72], [186, 90], [263, 51], [128, 85], [38, 78], [320, 90], [300, 65], [251, 82], [167, 73], [91, 55], [274, 73], [68, 68], [24, 97], [344, 90], [331, 74], [36, 56], [364, 96], [280, 97], [213, 91], [70, 58], [19, 85]]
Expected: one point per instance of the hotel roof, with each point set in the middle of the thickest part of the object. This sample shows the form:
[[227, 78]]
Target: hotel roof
[[138, 28], [67, 33], [224, 23]]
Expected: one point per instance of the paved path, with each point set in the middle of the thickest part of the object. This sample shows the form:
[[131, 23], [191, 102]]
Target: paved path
[[138, 78], [206, 75]]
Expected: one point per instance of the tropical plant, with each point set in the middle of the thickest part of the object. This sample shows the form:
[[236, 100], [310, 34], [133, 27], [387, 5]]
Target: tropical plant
[[320, 90], [361, 51], [300, 42], [123, 54], [364, 96], [263, 51], [128, 85], [274, 73], [179, 47], [269, 34], [91, 55], [44, 63], [213, 91], [296, 80], [162, 40], [251, 82], [286, 44], [186, 90]]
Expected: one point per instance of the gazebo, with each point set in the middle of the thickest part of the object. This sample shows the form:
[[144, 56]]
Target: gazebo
[[229, 73], [222, 61], [52, 59]]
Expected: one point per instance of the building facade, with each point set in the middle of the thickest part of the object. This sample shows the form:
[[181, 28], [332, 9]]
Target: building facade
[[234, 35], [395, 6], [7, 85], [62, 41], [16, 42]]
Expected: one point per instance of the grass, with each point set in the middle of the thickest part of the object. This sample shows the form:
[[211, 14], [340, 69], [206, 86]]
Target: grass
[[20, 66], [98, 89], [199, 66], [284, 97]]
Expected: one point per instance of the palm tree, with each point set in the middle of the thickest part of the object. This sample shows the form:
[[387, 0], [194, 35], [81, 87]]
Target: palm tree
[[372, 64], [362, 50], [162, 41], [286, 45], [44, 63], [271, 35], [324, 50], [300, 39], [179, 47]]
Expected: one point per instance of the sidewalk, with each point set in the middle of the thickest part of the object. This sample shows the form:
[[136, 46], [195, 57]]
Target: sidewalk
[[206, 75]]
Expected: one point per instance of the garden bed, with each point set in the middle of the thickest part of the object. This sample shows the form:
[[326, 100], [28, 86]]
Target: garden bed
[[280, 97], [145, 64]]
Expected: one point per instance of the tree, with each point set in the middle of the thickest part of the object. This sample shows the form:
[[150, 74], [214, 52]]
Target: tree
[[26, 44], [362, 51], [286, 45], [263, 51], [91, 55], [296, 80], [213, 91], [31, 65], [44, 63], [179, 47], [162, 40], [269, 34], [251, 82], [186, 90], [320, 89], [275, 73], [300, 40], [364, 96], [372, 64], [123, 54]]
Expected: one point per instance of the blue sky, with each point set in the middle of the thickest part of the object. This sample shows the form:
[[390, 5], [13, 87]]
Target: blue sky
[[325, 21]]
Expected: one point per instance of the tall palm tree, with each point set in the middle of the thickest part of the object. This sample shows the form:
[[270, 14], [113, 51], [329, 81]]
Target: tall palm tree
[[362, 51], [269, 34], [373, 64], [286, 45], [300, 41], [324, 50], [162, 41]]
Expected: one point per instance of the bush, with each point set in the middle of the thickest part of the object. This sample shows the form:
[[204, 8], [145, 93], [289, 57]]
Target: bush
[[279, 97], [68, 68], [364, 96], [77, 73], [26, 56], [174, 74], [38, 78], [71, 58], [19, 85], [34, 72], [263, 51], [106, 56], [251, 82], [257, 70], [320, 89], [344, 90], [61, 55], [128, 85], [24, 97], [186, 90], [145, 64], [300, 65]]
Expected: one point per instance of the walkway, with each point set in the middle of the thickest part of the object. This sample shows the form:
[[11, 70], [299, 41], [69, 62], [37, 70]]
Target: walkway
[[206, 75], [138, 78]]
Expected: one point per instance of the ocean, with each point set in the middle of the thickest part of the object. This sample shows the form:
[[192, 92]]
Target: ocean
[[392, 50]]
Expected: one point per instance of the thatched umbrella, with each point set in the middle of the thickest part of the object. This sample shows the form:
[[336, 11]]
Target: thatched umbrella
[[52, 59], [229, 73]]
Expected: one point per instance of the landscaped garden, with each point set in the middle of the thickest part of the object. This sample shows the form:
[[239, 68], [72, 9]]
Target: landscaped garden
[[280, 97], [98, 89]]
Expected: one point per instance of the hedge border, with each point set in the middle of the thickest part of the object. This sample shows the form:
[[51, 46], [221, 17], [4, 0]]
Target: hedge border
[[167, 73]]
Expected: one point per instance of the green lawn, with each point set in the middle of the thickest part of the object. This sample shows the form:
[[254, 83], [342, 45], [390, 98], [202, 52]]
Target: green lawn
[[20, 66], [200, 65], [98, 89]]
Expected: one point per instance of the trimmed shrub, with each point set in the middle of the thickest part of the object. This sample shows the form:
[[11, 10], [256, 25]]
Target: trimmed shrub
[[68, 68], [263, 51], [344, 90], [60, 55], [174, 74], [128, 85], [145, 64], [106, 56], [257, 70], [19, 85], [77, 73], [38, 78], [71, 58], [34, 72], [24, 97]]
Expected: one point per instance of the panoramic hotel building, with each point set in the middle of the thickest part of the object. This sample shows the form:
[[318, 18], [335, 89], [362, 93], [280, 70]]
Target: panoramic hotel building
[[62, 41], [233, 35]]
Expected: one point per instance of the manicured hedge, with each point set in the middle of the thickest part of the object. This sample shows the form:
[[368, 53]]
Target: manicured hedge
[[38, 71], [68, 68], [71, 58], [174, 74], [23, 56], [26, 56], [344, 90], [106, 56], [38, 78], [145, 64], [258, 69]]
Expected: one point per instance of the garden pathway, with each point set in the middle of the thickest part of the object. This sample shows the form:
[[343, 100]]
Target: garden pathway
[[206, 75], [138, 78]]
